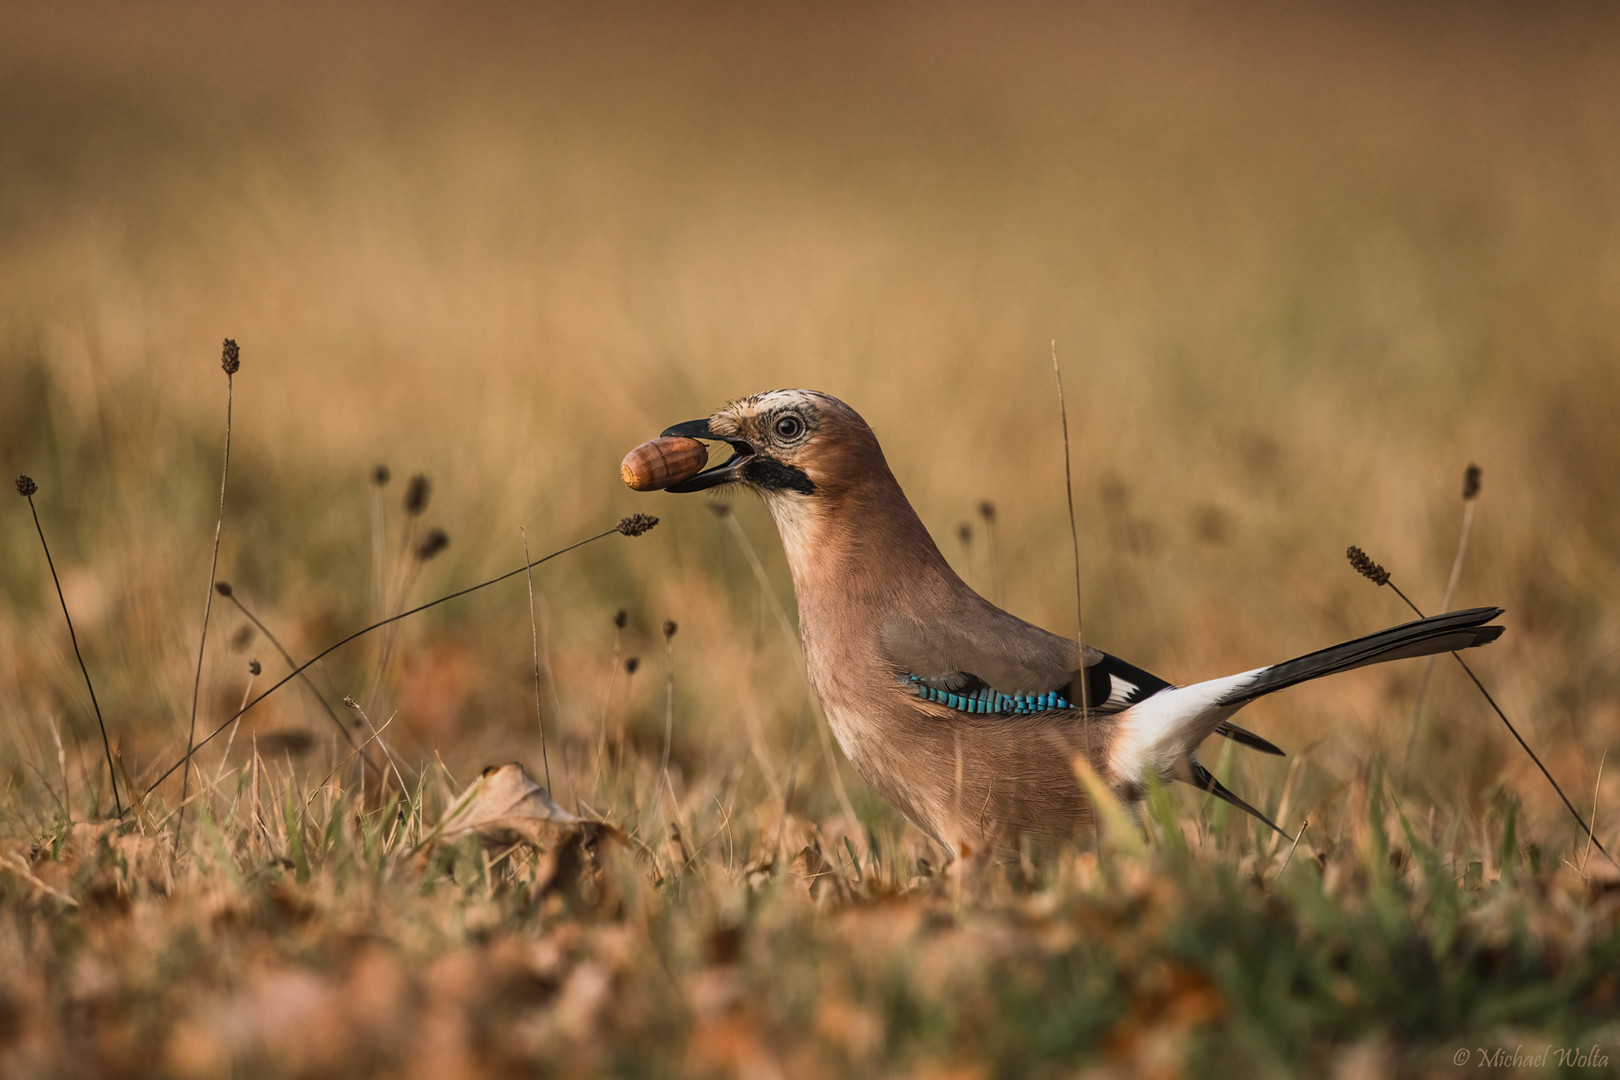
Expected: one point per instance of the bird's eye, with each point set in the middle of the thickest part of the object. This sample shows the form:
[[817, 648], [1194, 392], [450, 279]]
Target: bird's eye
[[789, 427]]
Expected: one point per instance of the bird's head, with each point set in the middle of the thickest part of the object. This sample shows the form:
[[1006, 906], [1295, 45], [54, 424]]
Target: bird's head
[[786, 444]]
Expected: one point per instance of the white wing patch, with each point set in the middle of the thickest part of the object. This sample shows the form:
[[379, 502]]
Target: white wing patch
[[1119, 695]]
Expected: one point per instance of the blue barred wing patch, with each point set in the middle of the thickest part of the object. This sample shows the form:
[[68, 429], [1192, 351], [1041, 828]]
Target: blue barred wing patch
[[986, 701], [1111, 686]]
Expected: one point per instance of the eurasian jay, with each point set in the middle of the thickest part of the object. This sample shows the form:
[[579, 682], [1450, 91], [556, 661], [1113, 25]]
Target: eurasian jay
[[966, 718]]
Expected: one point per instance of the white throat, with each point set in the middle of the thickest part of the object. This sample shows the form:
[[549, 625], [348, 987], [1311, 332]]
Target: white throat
[[796, 522]]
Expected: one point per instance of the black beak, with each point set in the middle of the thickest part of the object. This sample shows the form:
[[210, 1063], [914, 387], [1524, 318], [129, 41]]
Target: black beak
[[724, 473], [692, 429]]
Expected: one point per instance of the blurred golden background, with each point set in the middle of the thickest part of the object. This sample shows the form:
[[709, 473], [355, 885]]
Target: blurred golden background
[[1301, 268]]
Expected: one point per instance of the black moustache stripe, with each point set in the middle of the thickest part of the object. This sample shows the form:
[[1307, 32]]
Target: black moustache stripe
[[773, 475]]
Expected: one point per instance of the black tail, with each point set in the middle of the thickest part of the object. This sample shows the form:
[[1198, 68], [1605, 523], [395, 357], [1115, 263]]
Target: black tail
[[1436, 634], [1206, 780]]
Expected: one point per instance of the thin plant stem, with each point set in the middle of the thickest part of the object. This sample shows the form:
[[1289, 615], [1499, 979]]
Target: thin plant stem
[[1079, 613], [756, 747], [669, 697], [607, 702], [379, 532], [324, 653], [1597, 787], [404, 789], [230, 740], [1303, 825], [793, 770], [27, 488], [987, 513], [418, 493], [783, 620], [534, 636], [1470, 492], [61, 763], [411, 573], [291, 664], [208, 602], [1378, 575], [548, 670], [1576, 814]]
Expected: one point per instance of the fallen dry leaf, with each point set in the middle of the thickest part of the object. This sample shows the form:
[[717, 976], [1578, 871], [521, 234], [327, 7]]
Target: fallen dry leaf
[[504, 806], [818, 877]]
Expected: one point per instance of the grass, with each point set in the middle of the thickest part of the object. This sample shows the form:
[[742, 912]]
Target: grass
[[1301, 268], [1148, 957]]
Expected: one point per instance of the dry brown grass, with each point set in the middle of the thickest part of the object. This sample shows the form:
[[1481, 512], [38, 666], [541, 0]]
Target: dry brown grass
[[1302, 268]]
